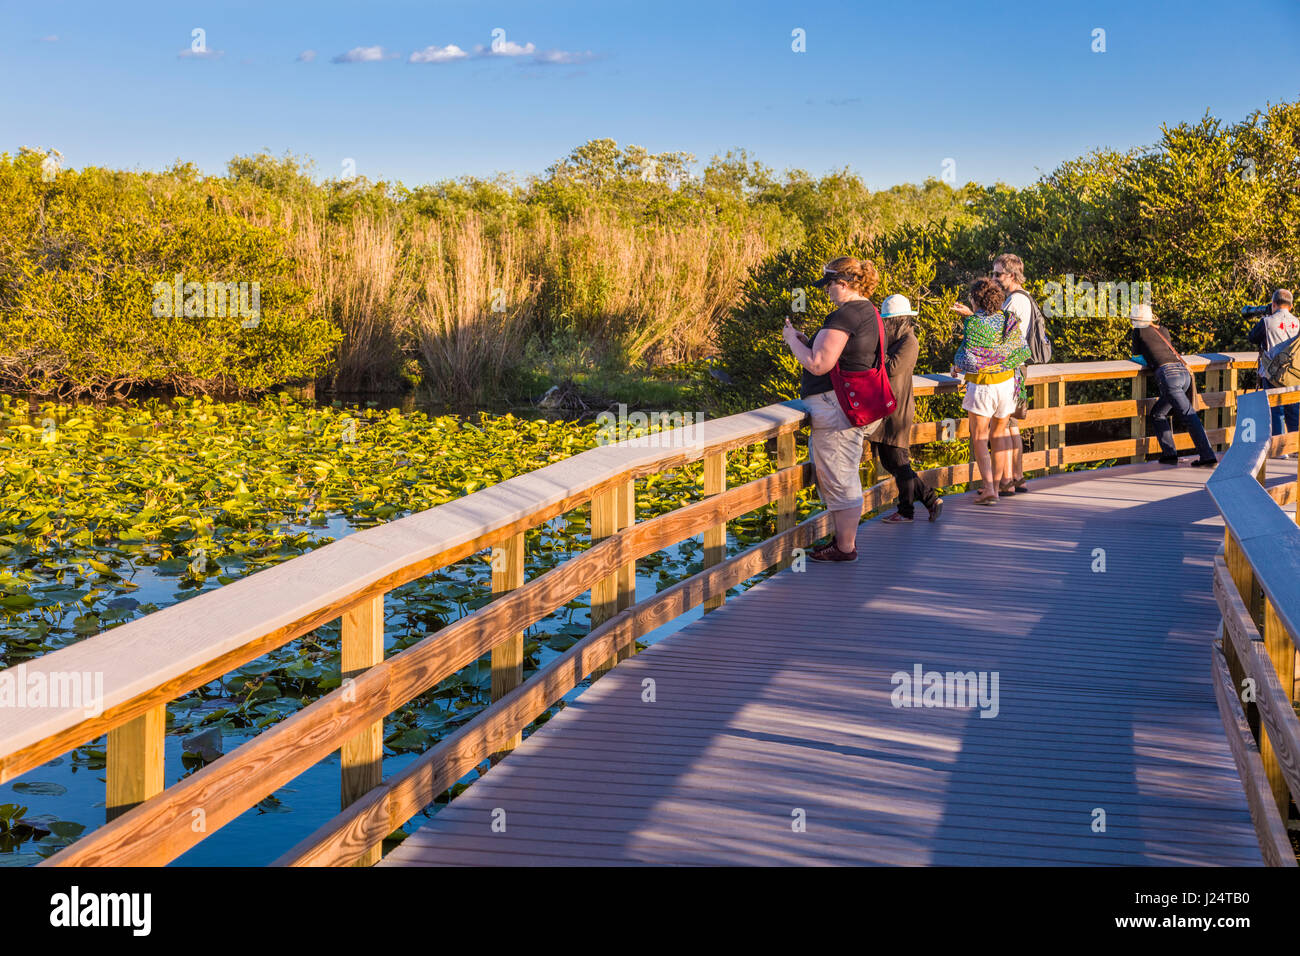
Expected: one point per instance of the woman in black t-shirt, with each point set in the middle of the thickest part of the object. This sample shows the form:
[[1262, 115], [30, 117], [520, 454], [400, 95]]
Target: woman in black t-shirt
[[850, 336]]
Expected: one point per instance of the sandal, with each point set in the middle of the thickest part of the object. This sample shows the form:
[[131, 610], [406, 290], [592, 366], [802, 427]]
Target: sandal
[[986, 500], [1006, 489], [896, 518], [1020, 486]]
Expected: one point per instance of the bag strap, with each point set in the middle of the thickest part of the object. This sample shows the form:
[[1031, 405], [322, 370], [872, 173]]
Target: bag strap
[[880, 337]]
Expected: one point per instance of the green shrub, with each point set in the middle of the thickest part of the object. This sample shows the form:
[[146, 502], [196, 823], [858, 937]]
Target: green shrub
[[79, 259]]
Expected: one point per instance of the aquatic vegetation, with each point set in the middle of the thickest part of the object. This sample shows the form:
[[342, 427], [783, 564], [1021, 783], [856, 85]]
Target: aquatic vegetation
[[108, 513]]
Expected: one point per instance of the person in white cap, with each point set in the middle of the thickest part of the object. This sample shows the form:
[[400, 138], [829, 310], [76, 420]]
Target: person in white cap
[[1174, 379], [892, 444]]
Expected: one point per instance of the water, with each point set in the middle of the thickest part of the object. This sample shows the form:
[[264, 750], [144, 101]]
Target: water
[[262, 833]]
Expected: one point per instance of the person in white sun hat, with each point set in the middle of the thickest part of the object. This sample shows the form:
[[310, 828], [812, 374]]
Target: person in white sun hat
[[892, 443], [1174, 379]]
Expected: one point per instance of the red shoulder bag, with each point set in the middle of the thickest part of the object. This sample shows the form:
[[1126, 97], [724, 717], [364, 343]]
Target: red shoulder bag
[[865, 396]]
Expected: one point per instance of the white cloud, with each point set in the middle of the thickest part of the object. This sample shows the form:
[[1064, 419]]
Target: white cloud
[[306, 56], [202, 54], [438, 54], [505, 48], [563, 57], [363, 54], [50, 39]]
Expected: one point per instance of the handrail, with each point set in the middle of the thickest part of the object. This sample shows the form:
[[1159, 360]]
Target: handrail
[[152, 660], [1257, 587]]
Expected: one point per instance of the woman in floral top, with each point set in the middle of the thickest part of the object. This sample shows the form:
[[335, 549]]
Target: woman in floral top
[[992, 352]]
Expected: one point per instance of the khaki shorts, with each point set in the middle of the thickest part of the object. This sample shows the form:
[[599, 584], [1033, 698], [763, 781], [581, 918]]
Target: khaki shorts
[[836, 448]]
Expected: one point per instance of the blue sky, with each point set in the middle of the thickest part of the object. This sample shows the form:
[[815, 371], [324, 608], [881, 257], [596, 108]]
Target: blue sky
[[1007, 90]]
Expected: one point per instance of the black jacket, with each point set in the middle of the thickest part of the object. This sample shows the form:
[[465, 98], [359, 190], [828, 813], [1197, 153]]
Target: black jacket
[[900, 362]]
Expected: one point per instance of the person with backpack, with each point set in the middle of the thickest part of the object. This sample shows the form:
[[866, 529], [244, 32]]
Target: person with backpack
[[893, 444], [992, 350], [1009, 273], [1177, 388], [1270, 332], [849, 341]]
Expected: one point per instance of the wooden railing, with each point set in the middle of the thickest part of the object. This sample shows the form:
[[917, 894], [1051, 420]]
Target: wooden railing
[[1257, 585], [148, 662]]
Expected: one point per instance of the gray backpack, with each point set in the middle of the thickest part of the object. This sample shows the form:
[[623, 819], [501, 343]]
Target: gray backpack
[[1040, 346]]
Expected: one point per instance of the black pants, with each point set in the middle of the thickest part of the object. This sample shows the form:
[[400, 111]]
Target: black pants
[[898, 462]]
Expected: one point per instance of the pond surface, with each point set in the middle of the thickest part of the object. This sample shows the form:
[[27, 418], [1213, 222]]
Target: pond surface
[[109, 512]]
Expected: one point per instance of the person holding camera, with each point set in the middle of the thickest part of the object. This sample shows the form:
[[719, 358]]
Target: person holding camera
[[850, 337], [1276, 325]]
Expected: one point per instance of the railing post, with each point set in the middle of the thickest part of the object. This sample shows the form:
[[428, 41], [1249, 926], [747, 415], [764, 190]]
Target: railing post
[[1244, 579], [1229, 417], [1056, 433], [1281, 651], [362, 757], [1212, 417], [625, 507], [604, 593], [785, 505], [1138, 423], [1039, 400], [508, 656], [715, 538], [135, 761]]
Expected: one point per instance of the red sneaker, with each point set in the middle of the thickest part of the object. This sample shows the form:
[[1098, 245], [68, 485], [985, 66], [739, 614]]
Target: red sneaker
[[830, 552]]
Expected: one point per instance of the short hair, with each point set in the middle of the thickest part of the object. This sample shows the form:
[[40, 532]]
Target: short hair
[[1283, 296], [862, 275], [1013, 264], [987, 294]]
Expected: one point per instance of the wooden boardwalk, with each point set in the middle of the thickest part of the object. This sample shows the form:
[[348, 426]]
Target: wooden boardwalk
[[777, 707]]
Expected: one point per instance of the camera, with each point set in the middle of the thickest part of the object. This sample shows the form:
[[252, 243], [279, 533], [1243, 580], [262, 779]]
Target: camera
[[1254, 311]]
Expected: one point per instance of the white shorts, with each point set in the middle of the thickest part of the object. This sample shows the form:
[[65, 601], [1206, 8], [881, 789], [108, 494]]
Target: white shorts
[[991, 401]]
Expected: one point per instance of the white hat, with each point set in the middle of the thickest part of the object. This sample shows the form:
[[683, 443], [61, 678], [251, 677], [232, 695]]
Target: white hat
[[896, 305], [1141, 316]]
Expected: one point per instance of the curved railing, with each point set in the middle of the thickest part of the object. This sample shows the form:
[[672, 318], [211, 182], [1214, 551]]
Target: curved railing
[[148, 662], [1257, 586]]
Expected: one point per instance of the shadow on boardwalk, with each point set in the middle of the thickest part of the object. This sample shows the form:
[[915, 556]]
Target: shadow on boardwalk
[[777, 707]]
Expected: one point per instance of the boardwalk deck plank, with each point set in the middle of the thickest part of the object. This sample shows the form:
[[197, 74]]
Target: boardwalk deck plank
[[781, 701]]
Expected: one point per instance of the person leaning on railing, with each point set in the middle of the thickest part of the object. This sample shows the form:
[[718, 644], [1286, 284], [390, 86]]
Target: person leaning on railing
[[892, 444], [1277, 326], [991, 351], [850, 336], [1177, 388]]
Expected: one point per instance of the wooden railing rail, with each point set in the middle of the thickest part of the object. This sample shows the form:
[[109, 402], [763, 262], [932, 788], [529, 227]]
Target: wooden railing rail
[[1257, 587], [148, 662]]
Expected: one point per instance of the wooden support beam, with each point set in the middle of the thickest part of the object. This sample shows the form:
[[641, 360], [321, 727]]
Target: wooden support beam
[[1039, 401], [1212, 418], [786, 504], [625, 507], [1243, 579], [1281, 652], [1230, 386], [362, 756], [715, 538], [508, 656], [1137, 426], [604, 593], [135, 761], [1056, 433]]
